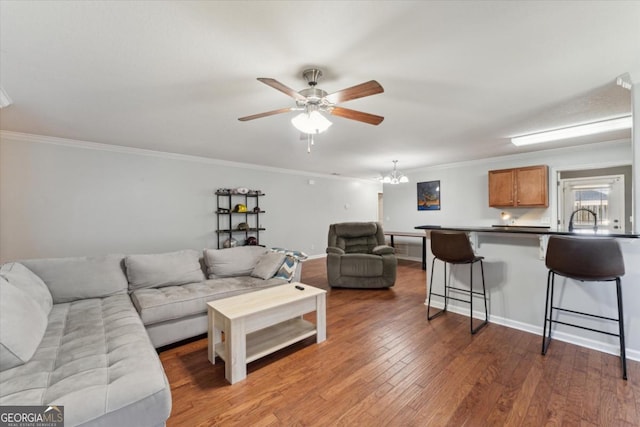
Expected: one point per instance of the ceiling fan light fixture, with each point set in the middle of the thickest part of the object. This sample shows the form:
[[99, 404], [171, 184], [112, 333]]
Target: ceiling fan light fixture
[[311, 122], [592, 128]]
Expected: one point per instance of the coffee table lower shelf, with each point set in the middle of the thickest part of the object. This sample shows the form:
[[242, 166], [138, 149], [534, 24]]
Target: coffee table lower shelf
[[268, 340]]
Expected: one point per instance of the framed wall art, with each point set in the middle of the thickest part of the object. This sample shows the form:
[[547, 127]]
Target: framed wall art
[[429, 196]]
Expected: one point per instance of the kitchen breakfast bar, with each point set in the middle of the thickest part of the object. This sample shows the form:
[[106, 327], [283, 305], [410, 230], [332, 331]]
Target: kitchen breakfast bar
[[516, 277]]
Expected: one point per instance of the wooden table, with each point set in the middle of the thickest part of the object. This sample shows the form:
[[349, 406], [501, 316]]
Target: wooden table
[[258, 323], [410, 234]]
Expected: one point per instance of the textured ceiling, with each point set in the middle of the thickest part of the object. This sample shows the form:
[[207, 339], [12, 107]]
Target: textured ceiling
[[459, 77]]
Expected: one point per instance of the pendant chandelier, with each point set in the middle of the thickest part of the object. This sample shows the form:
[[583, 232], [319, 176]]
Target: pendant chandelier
[[395, 177]]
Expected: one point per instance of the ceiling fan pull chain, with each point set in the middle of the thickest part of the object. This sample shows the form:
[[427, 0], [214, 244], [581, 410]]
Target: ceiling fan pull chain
[[309, 142]]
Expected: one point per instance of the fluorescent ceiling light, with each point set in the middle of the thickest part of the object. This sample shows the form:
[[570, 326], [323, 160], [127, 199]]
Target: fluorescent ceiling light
[[574, 131], [311, 123]]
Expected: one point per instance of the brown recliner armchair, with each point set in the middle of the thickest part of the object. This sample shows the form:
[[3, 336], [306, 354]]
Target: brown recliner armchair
[[357, 256]]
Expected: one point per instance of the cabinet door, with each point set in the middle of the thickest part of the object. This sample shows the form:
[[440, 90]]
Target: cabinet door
[[532, 186], [501, 188]]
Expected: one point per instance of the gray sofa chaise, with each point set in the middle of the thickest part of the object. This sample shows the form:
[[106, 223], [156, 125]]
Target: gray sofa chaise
[[80, 332]]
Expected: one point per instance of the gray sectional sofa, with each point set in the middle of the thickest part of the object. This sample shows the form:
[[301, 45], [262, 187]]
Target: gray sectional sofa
[[82, 332]]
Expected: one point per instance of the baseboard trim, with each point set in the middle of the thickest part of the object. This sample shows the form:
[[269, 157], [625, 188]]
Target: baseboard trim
[[409, 258], [537, 330]]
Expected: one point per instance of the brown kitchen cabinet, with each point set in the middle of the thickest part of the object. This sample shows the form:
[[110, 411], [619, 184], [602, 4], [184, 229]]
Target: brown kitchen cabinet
[[519, 187]]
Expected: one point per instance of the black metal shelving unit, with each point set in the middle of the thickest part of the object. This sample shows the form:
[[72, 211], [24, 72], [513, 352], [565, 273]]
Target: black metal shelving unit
[[227, 220]]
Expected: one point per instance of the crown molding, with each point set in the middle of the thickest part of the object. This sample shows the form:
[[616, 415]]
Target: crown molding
[[74, 143]]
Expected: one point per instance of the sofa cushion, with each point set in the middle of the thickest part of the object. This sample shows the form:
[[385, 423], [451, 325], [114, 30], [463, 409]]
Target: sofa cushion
[[71, 279], [268, 265], [96, 360], [175, 302], [28, 282], [361, 265], [167, 269], [356, 229], [23, 322], [232, 262]]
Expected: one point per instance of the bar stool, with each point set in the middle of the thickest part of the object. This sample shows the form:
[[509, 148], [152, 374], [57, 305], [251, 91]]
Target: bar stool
[[586, 260], [454, 247]]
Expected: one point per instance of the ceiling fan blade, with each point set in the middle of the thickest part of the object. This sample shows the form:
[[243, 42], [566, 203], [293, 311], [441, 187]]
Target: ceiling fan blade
[[266, 114], [347, 113], [371, 87], [282, 88]]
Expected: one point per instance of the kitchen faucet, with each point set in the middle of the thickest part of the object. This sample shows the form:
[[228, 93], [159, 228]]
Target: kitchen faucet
[[595, 218]]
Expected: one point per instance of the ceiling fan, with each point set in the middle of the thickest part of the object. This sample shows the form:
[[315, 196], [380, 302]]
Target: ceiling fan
[[312, 100]]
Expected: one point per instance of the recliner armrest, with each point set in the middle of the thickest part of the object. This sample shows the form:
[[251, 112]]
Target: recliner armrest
[[334, 250], [383, 250]]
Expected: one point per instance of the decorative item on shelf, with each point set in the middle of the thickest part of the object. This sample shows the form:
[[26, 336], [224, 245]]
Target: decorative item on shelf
[[243, 226], [223, 210], [223, 191], [256, 209], [230, 243], [242, 190], [251, 241], [240, 208], [395, 177]]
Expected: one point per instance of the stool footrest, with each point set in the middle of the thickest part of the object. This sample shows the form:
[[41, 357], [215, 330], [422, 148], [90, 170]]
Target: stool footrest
[[597, 316], [583, 327]]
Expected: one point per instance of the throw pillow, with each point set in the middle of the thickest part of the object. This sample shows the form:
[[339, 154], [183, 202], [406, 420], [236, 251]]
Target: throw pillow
[[28, 282], [22, 326], [167, 269], [268, 265], [288, 268], [239, 261]]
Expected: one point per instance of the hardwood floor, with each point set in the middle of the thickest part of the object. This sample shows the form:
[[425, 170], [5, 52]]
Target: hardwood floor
[[384, 364]]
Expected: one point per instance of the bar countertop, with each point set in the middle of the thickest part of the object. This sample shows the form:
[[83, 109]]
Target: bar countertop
[[517, 229]]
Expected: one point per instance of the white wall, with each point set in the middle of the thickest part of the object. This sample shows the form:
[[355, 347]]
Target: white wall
[[464, 187], [515, 274], [69, 198]]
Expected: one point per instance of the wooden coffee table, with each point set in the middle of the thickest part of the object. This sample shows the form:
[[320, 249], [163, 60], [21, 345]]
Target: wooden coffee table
[[258, 323]]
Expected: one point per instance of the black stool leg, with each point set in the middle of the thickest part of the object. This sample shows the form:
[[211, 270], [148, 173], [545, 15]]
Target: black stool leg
[[484, 295], [547, 315], [623, 355], [439, 312]]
